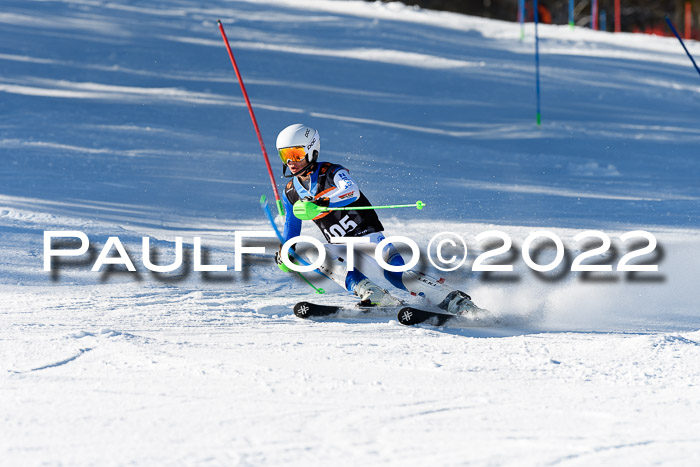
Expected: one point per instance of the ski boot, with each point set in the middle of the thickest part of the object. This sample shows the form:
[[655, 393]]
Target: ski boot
[[458, 303], [372, 295]]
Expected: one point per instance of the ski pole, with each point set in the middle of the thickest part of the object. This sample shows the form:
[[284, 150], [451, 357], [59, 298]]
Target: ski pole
[[268, 213], [306, 210], [280, 207], [417, 204], [683, 44], [317, 289]]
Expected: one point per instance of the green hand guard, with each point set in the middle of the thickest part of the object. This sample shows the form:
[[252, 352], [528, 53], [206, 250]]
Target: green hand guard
[[283, 267], [306, 210]]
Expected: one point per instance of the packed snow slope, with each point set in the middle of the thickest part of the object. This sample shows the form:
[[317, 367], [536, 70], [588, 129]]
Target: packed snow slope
[[125, 119], [135, 104]]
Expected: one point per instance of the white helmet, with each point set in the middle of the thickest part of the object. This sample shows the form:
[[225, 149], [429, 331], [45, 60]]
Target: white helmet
[[297, 142]]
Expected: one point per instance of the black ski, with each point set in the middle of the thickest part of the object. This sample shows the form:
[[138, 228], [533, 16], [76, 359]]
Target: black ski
[[307, 310], [409, 316], [313, 310]]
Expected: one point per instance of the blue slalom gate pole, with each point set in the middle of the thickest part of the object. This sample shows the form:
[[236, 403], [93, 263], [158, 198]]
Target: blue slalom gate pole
[[571, 14], [682, 43], [537, 66], [268, 213], [521, 18]]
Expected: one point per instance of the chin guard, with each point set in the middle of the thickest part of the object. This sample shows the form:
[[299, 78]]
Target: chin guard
[[307, 169]]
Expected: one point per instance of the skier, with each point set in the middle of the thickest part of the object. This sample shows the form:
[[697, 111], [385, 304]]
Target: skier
[[330, 185]]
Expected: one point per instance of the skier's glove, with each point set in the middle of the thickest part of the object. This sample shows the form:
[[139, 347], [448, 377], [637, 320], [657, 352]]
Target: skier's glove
[[308, 207], [278, 259], [321, 202]]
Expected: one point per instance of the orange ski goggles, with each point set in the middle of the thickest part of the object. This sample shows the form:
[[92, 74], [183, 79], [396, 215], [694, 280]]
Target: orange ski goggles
[[294, 154]]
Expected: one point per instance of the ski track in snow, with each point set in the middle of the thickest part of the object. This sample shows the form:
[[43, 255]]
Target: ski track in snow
[[125, 119]]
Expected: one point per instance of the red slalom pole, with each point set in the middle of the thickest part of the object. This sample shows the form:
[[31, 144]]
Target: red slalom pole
[[280, 207]]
